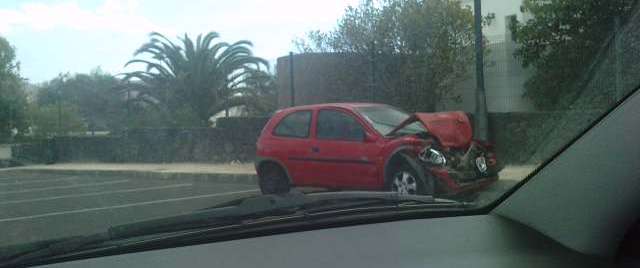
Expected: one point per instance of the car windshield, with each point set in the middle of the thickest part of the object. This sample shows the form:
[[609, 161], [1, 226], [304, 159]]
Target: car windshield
[[385, 119], [118, 112]]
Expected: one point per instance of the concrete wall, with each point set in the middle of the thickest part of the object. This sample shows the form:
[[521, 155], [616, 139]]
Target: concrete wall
[[322, 78], [5, 151], [332, 77], [495, 32]]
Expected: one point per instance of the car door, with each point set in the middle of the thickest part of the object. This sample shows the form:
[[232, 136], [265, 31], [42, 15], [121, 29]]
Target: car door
[[342, 157], [290, 143]]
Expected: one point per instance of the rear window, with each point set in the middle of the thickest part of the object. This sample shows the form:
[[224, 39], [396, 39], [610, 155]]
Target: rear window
[[295, 125]]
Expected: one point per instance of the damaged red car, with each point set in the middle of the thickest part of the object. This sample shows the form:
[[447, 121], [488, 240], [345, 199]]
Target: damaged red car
[[365, 146]]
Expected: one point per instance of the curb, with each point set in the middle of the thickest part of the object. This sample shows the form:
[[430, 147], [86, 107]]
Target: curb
[[251, 179]]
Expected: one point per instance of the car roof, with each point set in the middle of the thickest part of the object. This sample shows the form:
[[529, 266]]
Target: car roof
[[345, 105]]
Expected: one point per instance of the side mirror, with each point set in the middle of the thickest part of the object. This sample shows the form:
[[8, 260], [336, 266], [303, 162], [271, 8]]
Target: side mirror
[[368, 137]]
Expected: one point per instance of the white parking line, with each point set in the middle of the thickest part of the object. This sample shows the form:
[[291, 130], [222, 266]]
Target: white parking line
[[23, 178], [124, 206], [64, 187], [37, 181], [97, 193]]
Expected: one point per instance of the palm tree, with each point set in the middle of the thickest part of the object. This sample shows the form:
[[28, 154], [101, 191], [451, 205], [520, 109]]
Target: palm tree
[[261, 92], [201, 77]]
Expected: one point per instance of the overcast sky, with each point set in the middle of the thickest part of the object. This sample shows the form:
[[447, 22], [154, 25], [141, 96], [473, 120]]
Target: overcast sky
[[53, 37]]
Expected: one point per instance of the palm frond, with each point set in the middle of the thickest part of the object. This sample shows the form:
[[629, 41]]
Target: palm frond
[[202, 74]]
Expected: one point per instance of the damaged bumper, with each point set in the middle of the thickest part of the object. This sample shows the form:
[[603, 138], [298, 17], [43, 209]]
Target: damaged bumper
[[452, 182]]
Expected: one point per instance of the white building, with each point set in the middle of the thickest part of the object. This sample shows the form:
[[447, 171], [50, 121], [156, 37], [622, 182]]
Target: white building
[[504, 75]]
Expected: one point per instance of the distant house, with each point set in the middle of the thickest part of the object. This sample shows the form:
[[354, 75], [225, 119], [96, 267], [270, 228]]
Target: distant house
[[235, 111]]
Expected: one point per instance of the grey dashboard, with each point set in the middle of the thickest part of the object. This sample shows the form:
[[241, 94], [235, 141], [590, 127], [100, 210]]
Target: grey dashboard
[[471, 241]]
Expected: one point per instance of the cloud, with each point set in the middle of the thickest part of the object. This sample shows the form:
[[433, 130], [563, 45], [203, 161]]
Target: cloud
[[118, 16]]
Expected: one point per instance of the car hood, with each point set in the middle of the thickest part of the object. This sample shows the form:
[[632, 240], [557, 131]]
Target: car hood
[[452, 129]]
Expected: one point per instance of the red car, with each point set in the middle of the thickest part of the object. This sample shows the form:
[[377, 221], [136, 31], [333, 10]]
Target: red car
[[368, 146]]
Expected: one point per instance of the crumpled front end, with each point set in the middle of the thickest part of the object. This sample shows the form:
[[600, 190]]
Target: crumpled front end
[[463, 170], [458, 163]]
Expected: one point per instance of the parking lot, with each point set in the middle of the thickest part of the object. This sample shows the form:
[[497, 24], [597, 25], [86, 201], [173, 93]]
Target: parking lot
[[43, 206], [50, 206]]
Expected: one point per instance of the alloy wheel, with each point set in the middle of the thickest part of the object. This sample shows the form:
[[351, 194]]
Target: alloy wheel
[[404, 183]]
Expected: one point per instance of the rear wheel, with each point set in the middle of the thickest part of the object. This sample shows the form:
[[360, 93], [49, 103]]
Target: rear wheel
[[273, 179]]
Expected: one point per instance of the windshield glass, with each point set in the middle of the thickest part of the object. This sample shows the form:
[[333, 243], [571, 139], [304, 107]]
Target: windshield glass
[[385, 119], [114, 112]]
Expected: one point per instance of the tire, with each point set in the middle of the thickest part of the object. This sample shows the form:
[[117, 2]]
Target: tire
[[273, 180], [406, 178]]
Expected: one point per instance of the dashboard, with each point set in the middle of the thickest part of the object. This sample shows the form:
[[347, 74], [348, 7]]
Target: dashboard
[[469, 241]]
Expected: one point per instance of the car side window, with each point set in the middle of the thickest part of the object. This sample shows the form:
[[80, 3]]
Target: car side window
[[336, 125], [294, 125]]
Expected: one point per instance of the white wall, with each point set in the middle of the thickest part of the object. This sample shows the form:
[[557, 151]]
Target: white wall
[[504, 76]]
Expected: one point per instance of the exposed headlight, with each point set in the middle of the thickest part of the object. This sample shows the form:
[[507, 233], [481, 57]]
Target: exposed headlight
[[432, 156]]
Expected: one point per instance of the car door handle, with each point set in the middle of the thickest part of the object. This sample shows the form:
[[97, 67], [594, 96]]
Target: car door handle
[[315, 149]]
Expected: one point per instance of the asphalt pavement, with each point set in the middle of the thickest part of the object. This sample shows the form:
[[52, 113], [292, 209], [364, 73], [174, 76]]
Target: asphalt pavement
[[41, 203], [45, 206]]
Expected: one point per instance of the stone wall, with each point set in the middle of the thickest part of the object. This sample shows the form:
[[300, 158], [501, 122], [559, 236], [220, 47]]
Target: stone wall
[[233, 140]]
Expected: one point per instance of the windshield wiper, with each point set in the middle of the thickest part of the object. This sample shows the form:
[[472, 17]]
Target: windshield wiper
[[229, 213], [257, 207]]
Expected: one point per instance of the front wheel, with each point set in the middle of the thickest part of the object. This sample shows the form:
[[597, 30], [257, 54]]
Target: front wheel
[[406, 177], [405, 181]]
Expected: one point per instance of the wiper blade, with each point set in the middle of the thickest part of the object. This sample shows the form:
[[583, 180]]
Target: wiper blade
[[230, 213], [245, 208], [274, 205], [387, 197], [54, 247]]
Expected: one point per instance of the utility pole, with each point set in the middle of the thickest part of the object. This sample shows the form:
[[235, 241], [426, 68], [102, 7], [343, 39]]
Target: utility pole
[[11, 124], [60, 107], [11, 115], [292, 89], [226, 107], [481, 120], [128, 97], [372, 72]]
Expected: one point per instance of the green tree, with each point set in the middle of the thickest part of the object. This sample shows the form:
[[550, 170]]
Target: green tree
[[420, 48], [50, 120], [192, 81], [97, 97], [260, 93], [13, 99], [560, 41]]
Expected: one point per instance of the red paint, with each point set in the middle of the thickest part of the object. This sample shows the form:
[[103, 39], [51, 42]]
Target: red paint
[[342, 164], [453, 129]]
